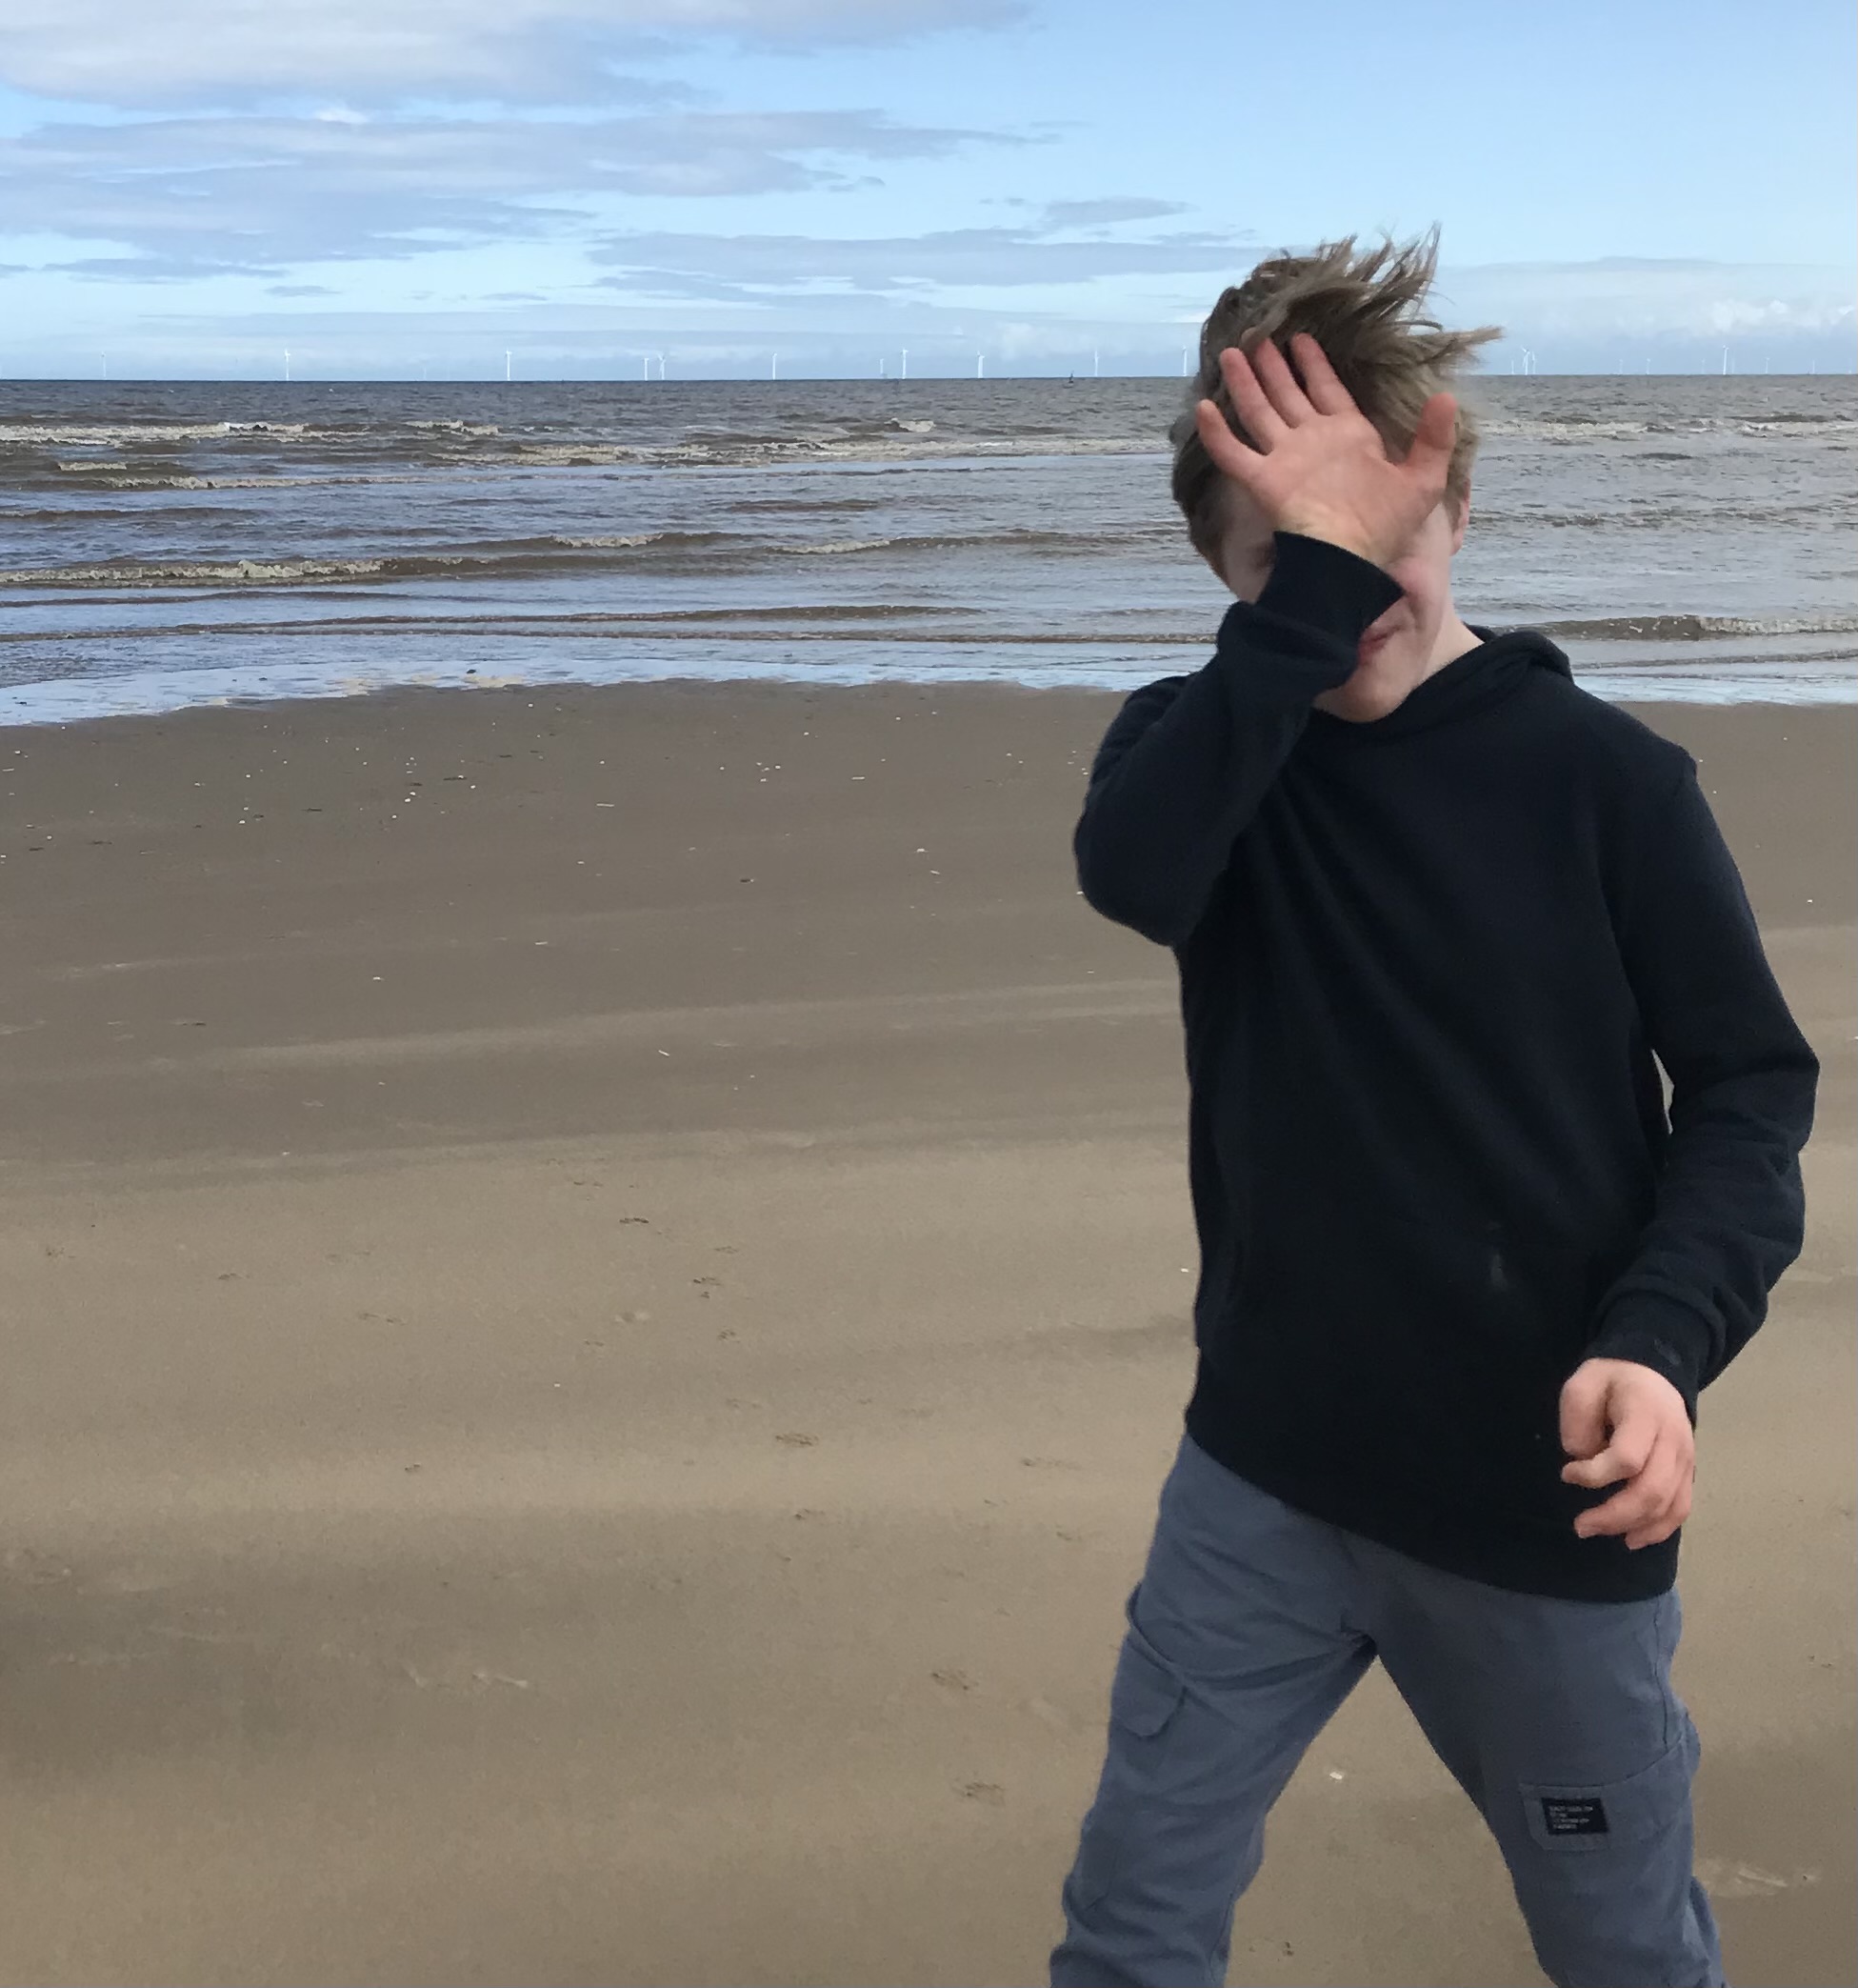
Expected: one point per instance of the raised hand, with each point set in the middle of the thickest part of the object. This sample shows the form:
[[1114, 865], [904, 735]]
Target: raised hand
[[1320, 467]]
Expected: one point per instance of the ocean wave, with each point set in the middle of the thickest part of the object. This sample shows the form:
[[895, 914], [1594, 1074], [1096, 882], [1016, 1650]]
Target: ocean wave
[[111, 434], [831, 547], [101, 476], [91, 515], [1637, 516], [1695, 627], [558, 552], [204, 573], [131, 451], [620, 540], [1588, 428]]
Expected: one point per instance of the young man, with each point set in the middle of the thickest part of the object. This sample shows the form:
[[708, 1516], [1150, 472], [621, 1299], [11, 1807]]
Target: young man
[[1435, 910]]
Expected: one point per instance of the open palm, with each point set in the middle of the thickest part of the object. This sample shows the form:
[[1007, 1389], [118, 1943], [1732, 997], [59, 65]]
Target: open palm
[[1320, 467]]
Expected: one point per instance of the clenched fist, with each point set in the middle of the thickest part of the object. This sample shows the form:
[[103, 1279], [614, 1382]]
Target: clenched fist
[[1626, 1424]]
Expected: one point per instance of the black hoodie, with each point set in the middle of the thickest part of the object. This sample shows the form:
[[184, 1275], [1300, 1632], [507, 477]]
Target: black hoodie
[[1425, 962]]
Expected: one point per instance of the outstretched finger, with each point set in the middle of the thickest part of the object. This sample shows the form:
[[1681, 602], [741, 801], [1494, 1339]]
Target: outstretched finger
[[1230, 456], [1263, 422], [1321, 380], [1284, 391]]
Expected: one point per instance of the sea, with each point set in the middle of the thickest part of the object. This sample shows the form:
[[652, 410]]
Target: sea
[[171, 543]]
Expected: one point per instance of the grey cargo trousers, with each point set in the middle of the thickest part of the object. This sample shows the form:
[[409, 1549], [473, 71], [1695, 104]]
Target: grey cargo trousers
[[1252, 1622]]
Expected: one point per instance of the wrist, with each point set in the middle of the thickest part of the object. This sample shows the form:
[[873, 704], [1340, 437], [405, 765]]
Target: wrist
[[1336, 535]]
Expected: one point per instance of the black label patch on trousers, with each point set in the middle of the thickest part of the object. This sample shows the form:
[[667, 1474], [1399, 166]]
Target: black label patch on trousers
[[1583, 1817]]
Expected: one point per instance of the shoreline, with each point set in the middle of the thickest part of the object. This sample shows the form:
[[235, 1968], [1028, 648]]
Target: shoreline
[[1804, 680]]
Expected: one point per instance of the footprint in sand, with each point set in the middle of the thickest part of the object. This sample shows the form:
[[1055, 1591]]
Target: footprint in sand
[[1722, 1877], [24, 1563], [989, 1792], [796, 1440], [459, 1674]]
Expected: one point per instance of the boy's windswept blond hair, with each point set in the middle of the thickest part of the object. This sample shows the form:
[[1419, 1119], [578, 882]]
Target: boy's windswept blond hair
[[1363, 310]]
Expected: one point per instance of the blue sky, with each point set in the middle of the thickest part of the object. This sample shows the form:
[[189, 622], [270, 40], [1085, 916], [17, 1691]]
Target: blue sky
[[395, 186]]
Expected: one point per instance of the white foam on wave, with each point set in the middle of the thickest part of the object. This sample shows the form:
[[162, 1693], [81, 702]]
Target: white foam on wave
[[231, 572], [112, 434]]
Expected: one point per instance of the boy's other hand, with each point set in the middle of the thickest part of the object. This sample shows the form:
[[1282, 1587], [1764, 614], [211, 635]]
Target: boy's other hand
[[1622, 1420], [1320, 467]]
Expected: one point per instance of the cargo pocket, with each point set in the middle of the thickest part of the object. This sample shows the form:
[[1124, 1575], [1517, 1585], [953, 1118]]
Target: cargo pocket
[[1569, 1818], [1144, 1695]]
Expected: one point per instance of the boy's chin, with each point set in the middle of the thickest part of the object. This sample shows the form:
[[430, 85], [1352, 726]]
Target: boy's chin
[[1371, 693]]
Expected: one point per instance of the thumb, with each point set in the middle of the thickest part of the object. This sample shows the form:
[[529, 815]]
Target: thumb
[[1584, 1411], [1435, 434], [1228, 453]]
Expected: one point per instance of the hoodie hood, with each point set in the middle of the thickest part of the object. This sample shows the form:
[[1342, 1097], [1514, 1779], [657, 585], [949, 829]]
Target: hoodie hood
[[1499, 667]]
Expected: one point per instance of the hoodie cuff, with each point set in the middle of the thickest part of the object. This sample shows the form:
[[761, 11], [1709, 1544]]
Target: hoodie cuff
[[1659, 1333], [1302, 636], [1326, 586]]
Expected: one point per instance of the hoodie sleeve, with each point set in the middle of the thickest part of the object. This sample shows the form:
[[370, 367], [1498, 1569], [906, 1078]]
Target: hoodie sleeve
[[1187, 760], [1729, 1212]]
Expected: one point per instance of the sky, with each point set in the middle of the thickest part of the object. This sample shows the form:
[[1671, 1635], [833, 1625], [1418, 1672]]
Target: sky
[[715, 189]]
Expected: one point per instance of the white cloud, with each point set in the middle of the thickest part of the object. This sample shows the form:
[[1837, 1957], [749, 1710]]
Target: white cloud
[[1648, 297], [1093, 214], [746, 266], [225, 52], [187, 196]]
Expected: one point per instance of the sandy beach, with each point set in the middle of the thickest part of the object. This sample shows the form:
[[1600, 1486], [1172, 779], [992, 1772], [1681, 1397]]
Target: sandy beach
[[597, 1291]]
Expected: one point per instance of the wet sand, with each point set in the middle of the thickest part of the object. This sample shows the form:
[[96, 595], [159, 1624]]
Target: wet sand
[[597, 1286]]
